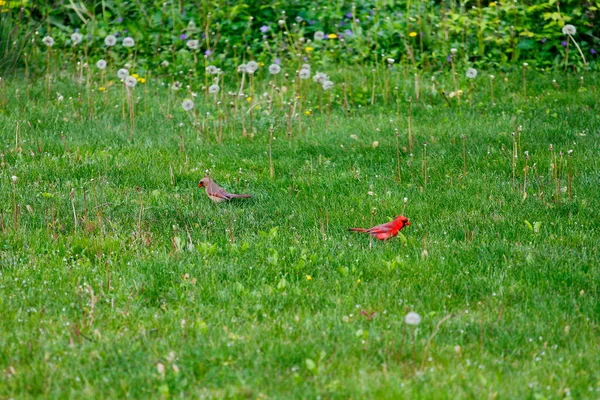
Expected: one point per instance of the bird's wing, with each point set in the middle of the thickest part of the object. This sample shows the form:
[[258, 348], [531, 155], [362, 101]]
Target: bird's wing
[[215, 190], [380, 229]]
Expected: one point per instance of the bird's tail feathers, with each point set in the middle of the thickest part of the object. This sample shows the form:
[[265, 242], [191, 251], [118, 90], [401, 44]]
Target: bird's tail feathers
[[241, 196], [357, 229]]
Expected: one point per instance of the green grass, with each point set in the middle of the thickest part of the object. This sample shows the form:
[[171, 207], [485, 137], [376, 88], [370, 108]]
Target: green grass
[[154, 273]]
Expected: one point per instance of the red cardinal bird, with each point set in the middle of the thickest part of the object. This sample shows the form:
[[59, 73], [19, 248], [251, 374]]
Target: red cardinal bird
[[386, 231], [216, 193]]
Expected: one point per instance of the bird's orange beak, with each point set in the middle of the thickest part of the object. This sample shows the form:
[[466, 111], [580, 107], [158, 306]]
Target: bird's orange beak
[[200, 184], [407, 223]]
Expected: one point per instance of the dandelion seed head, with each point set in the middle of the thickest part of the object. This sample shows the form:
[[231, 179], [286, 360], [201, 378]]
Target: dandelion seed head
[[213, 89], [187, 105], [130, 82], [212, 70], [274, 69], [193, 44], [48, 41], [453, 51], [101, 64], [327, 85], [251, 67], [471, 73], [165, 63], [569, 30], [319, 35], [128, 42], [76, 38], [320, 77], [412, 318], [14, 179], [110, 40], [304, 73], [122, 73]]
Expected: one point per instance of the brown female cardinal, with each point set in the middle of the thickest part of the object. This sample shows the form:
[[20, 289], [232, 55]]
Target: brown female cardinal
[[216, 193], [386, 231]]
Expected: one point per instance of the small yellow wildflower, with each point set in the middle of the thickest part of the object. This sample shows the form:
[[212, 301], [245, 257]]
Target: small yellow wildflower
[[262, 64], [308, 49], [307, 112], [135, 76], [102, 89], [308, 277], [332, 36], [493, 4], [141, 80], [358, 281], [248, 99], [412, 34]]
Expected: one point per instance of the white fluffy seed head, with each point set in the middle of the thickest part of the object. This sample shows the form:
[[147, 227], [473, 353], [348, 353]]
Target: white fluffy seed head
[[110, 40], [412, 318]]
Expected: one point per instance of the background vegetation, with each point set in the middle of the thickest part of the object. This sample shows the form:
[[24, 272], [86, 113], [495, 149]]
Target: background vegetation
[[420, 33], [119, 278]]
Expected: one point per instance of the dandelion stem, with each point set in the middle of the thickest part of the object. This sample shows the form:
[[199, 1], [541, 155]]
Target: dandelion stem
[[398, 172], [16, 207], [424, 165], [464, 152], [410, 133], [271, 167], [578, 49], [525, 177], [454, 78], [75, 222], [417, 87], [524, 81], [373, 87], [569, 177], [514, 158], [567, 56]]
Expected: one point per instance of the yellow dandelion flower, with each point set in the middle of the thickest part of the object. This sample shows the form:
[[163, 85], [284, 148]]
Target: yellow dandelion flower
[[493, 4], [262, 64], [102, 89], [248, 99], [307, 112], [332, 36], [135, 76], [358, 281], [308, 49], [412, 34], [308, 277], [141, 80]]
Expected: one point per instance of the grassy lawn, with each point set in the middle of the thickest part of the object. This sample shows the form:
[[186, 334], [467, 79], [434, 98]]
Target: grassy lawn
[[119, 277]]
